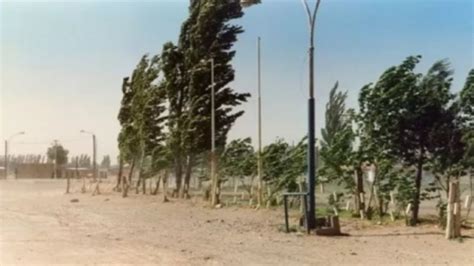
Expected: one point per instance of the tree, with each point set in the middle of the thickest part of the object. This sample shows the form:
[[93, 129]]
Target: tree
[[146, 110], [105, 162], [238, 160], [337, 141], [467, 105], [402, 111], [283, 164], [342, 159], [127, 141], [58, 154], [141, 116]]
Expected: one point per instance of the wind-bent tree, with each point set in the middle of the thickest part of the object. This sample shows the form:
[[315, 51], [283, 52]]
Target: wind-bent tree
[[174, 84], [283, 164], [127, 139], [146, 109], [141, 117], [403, 108], [206, 34]]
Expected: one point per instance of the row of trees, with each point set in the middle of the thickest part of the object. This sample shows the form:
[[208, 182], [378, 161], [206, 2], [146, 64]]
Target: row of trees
[[165, 112], [407, 124]]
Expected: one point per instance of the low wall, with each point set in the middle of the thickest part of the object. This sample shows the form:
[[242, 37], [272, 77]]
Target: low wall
[[34, 170], [83, 172]]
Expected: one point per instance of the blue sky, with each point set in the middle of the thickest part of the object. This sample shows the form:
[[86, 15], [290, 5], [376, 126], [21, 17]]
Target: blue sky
[[62, 62]]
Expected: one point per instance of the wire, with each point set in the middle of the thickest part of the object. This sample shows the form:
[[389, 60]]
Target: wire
[[48, 141]]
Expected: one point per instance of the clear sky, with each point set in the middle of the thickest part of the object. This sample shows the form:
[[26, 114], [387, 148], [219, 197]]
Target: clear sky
[[62, 63]]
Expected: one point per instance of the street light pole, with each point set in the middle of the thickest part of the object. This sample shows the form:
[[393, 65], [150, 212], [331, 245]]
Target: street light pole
[[94, 153], [6, 150], [311, 215], [259, 107], [94, 156]]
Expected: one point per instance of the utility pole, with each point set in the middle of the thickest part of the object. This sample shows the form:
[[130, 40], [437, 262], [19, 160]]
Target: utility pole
[[259, 126], [311, 216], [94, 153]]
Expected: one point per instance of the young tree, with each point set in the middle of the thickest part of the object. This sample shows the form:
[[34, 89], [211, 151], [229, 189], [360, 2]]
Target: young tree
[[238, 161], [343, 160], [403, 109], [283, 164]]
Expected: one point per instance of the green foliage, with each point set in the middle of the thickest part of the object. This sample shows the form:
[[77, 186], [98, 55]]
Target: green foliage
[[248, 3], [57, 153], [404, 113], [238, 159], [405, 187], [283, 164], [467, 105], [337, 151], [206, 34], [142, 114], [335, 200]]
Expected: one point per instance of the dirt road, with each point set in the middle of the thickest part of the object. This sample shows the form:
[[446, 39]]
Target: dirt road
[[41, 226]]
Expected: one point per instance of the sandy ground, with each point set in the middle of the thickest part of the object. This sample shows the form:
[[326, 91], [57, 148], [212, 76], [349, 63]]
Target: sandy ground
[[41, 226]]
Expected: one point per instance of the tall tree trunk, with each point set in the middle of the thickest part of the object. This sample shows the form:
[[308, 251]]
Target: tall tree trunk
[[236, 189], [140, 170], [68, 184], [130, 173], [165, 186], [416, 198], [359, 192], [471, 176], [187, 177], [119, 176], [179, 175], [125, 187], [157, 188]]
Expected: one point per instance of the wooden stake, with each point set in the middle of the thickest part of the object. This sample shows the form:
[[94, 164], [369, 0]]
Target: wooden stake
[[450, 224], [348, 205]]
